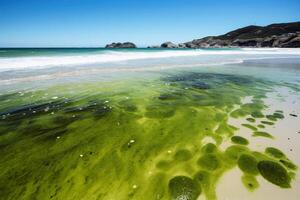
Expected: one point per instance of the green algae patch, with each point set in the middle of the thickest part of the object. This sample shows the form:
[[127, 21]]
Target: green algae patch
[[164, 165], [183, 155], [182, 187], [248, 164], [138, 136], [276, 153], [257, 114], [288, 164], [261, 126], [239, 140], [209, 148], [209, 162], [274, 173], [267, 123], [250, 182], [233, 152], [203, 178], [262, 134], [253, 128], [252, 120]]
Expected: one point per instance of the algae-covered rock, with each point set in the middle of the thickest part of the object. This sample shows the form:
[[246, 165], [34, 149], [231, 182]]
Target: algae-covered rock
[[184, 188], [274, 173]]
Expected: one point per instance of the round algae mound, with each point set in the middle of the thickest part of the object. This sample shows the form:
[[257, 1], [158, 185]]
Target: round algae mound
[[274, 152], [209, 162], [248, 164], [274, 173], [184, 188], [183, 155], [239, 140]]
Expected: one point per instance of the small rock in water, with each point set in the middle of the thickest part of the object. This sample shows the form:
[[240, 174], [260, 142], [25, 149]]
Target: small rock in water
[[293, 115], [132, 141]]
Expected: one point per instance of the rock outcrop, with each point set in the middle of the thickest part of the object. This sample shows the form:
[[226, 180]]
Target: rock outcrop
[[285, 35], [168, 45], [275, 35], [121, 45]]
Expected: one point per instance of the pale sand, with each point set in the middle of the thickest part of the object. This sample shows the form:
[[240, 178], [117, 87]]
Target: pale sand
[[230, 186]]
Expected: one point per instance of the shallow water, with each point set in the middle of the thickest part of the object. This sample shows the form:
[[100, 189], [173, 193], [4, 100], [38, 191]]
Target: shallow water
[[153, 127]]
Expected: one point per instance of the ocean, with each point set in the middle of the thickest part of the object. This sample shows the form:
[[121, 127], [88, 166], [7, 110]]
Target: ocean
[[95, 123]]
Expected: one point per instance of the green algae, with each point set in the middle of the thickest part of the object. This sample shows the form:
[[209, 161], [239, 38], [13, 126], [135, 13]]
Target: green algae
[[182, 187], [233, 152], [248, 164], [209, 162], [209, 148], [253, 128], [276, 153], [239, 140], [288, 164], [262, 134], [261, 126], [250, 182], [267, 122], [274, 173], [251, 120], [183, 155], [136, 136]]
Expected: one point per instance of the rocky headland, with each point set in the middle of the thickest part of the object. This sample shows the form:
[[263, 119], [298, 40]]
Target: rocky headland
[[284, 35]]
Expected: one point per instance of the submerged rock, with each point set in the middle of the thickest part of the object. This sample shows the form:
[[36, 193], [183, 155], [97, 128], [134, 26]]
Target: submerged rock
[[121, 45], [184, 188], [168, 45]]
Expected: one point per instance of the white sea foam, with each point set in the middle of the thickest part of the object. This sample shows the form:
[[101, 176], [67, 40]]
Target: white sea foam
[[117, 56]]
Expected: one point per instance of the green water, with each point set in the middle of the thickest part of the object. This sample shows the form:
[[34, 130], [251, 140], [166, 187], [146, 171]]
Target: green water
[[137, 138]]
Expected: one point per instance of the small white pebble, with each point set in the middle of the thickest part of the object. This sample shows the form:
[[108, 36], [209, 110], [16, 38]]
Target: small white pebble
[[134, 186], [46, 109], [57, 137], [132, 141], [81, 155], [34, 111]]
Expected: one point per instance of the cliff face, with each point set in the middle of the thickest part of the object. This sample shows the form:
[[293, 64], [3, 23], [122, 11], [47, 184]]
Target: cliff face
[[285, 35]]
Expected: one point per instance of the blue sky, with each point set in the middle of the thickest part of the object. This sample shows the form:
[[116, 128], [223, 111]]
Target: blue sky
[[97, 22]]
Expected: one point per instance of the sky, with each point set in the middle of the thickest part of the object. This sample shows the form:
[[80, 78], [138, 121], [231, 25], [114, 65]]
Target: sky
[[94, 23]]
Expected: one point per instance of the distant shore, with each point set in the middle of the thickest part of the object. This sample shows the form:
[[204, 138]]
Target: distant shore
[[284, 35]]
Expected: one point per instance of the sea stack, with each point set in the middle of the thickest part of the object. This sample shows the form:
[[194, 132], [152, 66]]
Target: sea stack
[[121, 45]]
